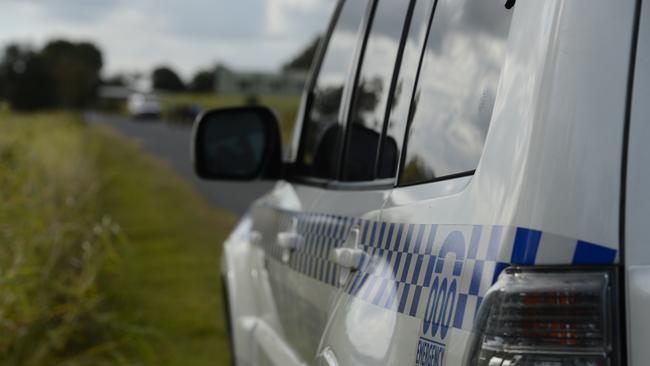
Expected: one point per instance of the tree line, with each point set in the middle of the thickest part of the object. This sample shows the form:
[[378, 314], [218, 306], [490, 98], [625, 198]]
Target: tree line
[[65, 74], [165, 78], [61, 74]]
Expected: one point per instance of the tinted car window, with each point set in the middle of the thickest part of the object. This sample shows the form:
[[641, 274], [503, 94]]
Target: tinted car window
[[401, 99], [372, 89], [322, 136], [456, 90]]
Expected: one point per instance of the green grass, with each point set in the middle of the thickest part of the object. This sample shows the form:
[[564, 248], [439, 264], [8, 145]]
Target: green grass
[[106, 255], [168, 279], [54, 243], [285, 107]]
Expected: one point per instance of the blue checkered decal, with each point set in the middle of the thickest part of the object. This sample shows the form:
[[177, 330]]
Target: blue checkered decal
[[403, 260], [320, 234]]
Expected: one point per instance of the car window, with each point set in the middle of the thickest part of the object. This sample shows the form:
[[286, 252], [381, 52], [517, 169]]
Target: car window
[[401, 100], [452, 106], [372, 90], [322, 132]]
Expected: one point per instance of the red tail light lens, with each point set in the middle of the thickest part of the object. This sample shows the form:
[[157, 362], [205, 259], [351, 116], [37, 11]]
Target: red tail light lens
[[546, 318]]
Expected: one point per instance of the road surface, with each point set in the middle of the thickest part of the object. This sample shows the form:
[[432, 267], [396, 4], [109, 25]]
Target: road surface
[[172, 143]]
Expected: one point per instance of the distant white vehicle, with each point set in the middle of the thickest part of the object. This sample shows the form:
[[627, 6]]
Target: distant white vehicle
[[143, 105]]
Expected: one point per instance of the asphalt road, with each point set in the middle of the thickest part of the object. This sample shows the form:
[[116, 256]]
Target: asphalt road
[[172, 143]]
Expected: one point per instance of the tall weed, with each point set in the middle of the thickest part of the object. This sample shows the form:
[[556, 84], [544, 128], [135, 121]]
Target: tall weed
[[54, 242]]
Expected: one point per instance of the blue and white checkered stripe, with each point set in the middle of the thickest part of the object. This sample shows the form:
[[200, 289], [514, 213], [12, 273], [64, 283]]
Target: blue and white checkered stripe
[[404, 262], [403, 258], [320, 233]]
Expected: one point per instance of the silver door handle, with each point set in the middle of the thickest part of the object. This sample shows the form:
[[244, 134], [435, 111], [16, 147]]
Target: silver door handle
[[289, 240], [347, 257]]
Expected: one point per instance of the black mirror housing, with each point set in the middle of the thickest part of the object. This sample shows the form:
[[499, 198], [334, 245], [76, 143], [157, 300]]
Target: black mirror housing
[[239, 144]]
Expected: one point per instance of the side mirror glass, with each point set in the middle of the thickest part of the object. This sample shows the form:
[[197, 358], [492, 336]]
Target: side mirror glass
[[237, 144]]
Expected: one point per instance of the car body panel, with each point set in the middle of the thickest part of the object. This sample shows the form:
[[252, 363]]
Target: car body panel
[[249, 281], [549, 196], [637, 253], [307, 284], [546, 192], [270, 295]]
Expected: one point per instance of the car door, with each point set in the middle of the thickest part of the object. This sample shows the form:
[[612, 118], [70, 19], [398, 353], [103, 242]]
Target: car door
[[349, 153], [307, 216], [415, 287]]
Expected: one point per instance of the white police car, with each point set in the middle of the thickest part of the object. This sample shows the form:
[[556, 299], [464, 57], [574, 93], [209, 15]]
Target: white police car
[[468, 185]]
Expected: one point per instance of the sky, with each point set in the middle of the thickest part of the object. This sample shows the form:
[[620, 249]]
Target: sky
[[137, 35]]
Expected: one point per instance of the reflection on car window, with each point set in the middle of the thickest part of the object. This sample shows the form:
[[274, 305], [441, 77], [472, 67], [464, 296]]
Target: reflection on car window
[[322, 134], [372, 90], [456, 89], [401, 99]]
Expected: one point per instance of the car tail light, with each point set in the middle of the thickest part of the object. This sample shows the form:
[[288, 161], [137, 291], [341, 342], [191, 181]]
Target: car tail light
[[547, 318]]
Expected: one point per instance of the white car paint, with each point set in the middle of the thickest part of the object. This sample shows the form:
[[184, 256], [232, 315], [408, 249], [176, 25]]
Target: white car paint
[[550, 174], [637, 246]]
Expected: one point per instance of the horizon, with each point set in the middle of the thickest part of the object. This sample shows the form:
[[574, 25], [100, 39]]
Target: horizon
[[140, 35]]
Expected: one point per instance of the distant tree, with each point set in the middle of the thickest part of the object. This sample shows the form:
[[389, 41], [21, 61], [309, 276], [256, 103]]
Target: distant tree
[[164, 78], [4, 87], [203, 81], [62, 74], [26, 80], [304, 59], [75, 68]]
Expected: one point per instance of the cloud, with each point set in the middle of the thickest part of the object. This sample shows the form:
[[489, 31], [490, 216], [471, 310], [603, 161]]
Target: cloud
[[82, 11], [139, 34], [286, 17], [210, 19]]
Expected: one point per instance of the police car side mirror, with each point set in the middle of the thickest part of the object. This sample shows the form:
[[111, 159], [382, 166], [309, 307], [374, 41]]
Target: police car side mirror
[[237, 144]]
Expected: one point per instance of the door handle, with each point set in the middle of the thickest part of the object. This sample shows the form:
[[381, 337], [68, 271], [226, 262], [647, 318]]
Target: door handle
[[353, 239], [350, 258], [289, 240]]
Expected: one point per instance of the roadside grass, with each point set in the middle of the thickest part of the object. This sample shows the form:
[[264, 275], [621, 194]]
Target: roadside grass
[[285, 106], [54, 244], [167, 282], [106, 255]]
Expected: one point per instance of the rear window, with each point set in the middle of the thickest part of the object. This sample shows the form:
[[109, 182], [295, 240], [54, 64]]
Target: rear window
[[323, 133], [456, 89], [366, 121], [400, 101]]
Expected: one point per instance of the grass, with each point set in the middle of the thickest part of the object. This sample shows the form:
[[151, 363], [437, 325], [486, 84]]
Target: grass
[[286, 107], [168, 280], [106, 256], [54, 243]]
